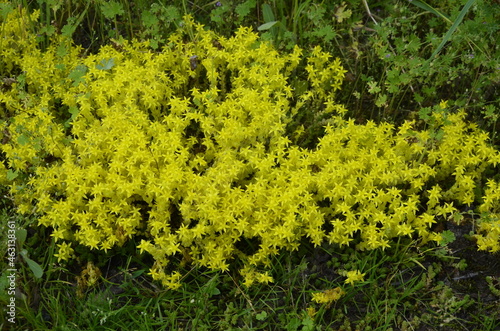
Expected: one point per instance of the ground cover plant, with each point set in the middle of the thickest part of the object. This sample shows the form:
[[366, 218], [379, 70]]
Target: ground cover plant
[[204, 180]]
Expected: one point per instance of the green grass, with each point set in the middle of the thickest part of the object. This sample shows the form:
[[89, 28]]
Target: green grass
[[406, 287]]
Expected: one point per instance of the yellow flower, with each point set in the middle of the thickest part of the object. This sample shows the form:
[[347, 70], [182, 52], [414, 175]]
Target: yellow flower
[[443, 104], [264, 278], [58, 233], [65, 252], [354, 276], [311, 312], [328, 296], [145, 246]]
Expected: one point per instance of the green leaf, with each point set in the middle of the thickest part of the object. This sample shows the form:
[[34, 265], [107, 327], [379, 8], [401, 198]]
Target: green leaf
[[153, 43], [327, 33], [21, 79], [5, 9], [413, 44], [425, 113], [418, 97], [438, 135], [62, 50], [243, 9], [214, 291], [35, 267], [21, 235], [73, 22], [261, 316], [54, 5], [267, 26], [137, 273], [112, 9], [294, 324], [106, 64], [48, 30], [447, 237], [69, 28], [341, 13], [60, 66], [11, 175], [308, 324], [171, 14], [373, 88], [77, 75], [267, 12], [74, 113], [23, 139], [381, 100], [149, 19]]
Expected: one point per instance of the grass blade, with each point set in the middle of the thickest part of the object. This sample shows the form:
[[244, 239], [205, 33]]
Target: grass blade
[[425, 6], [455, 25]]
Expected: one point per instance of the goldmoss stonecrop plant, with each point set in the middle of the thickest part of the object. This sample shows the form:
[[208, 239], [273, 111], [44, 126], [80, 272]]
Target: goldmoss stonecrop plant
[[187, 150]]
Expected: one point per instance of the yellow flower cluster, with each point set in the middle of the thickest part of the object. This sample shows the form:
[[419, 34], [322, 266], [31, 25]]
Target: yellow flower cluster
[[16, 37], [488, 237], [354, 276], [328, 296], [187, 149]]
